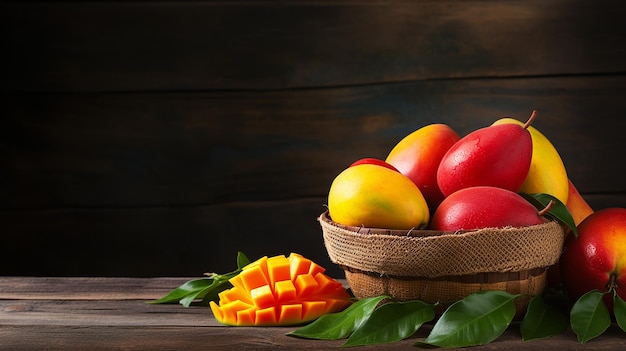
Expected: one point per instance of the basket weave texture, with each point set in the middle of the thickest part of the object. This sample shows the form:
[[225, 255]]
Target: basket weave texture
[[442, 266]]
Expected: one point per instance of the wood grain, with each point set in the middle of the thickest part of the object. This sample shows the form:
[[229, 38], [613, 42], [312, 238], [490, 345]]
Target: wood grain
[[121, 150], [96, 185], [187, 241], [155, 138], [53, 314], [265, 45]]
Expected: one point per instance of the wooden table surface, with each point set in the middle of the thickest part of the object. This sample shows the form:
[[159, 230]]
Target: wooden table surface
[[112, 313]]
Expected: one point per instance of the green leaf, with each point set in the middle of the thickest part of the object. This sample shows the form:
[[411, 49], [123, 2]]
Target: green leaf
[[391, 322], [242, 260], [190, 287], [558, 212], [204, 289], [475, 320], [334, 326], [589, 316], [619, 310], [543, 319]]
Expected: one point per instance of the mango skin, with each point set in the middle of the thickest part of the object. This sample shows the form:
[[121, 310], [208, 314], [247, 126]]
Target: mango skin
[[496, 156], [373, 196], [484, 207], [577, 205], [597, 256], [547, 172], [418, 156]]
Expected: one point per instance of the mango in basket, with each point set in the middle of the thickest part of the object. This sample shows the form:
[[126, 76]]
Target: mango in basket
[[375, 196], [547, 172], [418, 156], [485, 207], [497, 155], [279, 290]]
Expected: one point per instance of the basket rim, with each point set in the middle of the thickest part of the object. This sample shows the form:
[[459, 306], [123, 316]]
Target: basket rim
[[438, 254], [418, 233]]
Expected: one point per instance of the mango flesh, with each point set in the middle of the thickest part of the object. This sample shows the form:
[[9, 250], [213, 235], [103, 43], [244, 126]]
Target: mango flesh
[[418, 156], [279, 291], [498, 155], [484, 207], [547, 172], [373, 196]]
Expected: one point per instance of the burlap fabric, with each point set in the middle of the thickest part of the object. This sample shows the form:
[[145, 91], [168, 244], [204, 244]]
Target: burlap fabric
[[435, 266], [435, 254]]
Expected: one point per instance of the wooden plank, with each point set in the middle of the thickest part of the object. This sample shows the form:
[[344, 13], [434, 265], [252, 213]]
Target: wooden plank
[[186, 241], [133, 150], [87, 288], [165, 338], [53, 337], [99, 313], [159, 241], [120, 319], [113, 46], [158, 330]]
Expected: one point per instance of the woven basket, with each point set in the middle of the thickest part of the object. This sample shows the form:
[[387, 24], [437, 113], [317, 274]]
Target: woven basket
[[443, 267]]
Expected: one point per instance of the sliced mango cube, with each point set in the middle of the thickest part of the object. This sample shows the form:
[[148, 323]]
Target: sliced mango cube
[[279, 290], [262, 296], [278, 268], [284, 291], [306, 285]]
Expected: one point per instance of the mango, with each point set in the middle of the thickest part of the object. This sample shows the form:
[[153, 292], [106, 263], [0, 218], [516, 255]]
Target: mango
[[596, 258], [547, 172], [278, 291], [374, 196], [497, 155], [576, 204], [484, 207], [418, 156]]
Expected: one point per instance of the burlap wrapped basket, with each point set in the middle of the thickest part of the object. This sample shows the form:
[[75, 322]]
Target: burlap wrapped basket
[[435, 266]]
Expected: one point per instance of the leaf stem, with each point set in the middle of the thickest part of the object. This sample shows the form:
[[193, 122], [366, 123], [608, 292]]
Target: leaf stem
[[611, 286], [547, 208]]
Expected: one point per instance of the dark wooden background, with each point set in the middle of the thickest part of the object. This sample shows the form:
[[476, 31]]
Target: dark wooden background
[[155, 138]]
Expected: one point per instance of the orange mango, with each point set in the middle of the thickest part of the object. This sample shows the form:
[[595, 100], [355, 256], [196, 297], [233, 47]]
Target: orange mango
[[418, 156], [577, 205], [277, 291]]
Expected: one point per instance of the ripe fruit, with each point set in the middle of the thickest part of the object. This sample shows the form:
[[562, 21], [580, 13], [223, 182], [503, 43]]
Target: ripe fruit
[[279, 290], [484, 207], [418, 156], [373, 161], [547, 172], [498, 155], [576, 204], [377, 197], [596, 259]]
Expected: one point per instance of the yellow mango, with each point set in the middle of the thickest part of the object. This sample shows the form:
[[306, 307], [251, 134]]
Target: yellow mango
[[547, 172], [377, 197]]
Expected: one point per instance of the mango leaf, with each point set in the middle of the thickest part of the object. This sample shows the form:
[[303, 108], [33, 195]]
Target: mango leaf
[[475, 320], [589, 316], [558, 212], [543, 319], [391, 322], [619, 310], [339, 325], [204, 289]]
